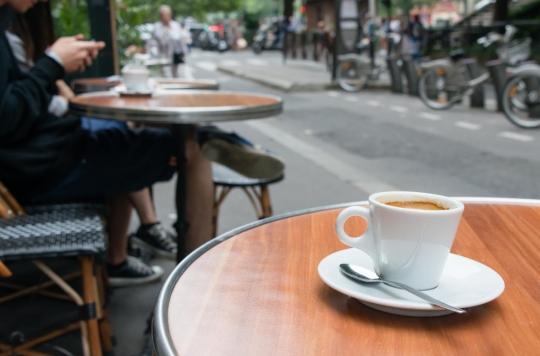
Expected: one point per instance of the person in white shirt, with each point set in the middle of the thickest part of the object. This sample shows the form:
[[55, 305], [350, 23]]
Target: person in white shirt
[[168, 41]]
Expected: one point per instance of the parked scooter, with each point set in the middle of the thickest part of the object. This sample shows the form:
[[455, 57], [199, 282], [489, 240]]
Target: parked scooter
[[268, 37]]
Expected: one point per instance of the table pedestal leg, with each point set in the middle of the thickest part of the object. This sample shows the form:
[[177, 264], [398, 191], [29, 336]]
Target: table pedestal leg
[[181, 133]]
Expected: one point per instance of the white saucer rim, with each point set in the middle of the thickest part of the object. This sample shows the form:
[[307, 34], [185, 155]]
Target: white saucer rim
[[413, 305]]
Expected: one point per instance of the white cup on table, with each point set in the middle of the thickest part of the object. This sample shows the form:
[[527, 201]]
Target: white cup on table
[[136, 78], [409, 235]]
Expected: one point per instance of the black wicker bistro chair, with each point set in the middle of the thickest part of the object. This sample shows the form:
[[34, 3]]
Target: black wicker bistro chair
[[41, 236], [257, 191]]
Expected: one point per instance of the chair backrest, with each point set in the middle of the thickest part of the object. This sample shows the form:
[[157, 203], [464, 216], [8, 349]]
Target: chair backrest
[[9, 207]]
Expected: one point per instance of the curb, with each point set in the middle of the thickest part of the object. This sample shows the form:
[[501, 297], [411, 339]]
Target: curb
[[289, 86], [280, 84]]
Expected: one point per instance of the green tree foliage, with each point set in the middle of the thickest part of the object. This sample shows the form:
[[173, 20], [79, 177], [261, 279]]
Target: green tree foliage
[[200, 8], [70, 17]]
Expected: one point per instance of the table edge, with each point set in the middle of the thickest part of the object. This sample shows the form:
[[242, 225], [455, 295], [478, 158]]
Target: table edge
[[160, 335], [178, 115]]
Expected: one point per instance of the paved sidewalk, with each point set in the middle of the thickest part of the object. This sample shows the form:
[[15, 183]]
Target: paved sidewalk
[[270, 69]]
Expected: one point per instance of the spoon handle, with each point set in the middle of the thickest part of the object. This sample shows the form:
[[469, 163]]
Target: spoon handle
[[424, 296]]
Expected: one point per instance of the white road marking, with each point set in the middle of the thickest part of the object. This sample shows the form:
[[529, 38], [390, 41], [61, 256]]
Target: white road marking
[[231, 63], [516, 136], [430, 116], [373, 103], [352, 99], [399, 108], [206, 65], [257, 62], [332, 163], [467, 125], [333, 94]]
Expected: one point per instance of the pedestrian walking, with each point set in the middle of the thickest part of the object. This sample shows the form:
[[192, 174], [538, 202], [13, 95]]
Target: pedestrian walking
[[168, 41], [416, 33]]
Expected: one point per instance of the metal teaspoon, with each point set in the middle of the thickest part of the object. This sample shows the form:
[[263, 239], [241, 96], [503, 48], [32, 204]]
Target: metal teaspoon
[[366, 276]]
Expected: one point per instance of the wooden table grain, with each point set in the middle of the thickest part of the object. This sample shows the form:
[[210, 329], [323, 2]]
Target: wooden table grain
[[256, 291]]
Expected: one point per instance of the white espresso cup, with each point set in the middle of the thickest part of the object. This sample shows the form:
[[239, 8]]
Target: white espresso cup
[[407, 245], [136, 78]]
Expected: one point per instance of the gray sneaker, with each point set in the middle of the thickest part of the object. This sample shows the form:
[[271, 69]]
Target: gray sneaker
[[158, 239], [133, 272]]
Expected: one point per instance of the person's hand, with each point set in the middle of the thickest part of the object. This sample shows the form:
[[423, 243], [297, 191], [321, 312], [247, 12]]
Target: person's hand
[[64, 90], [75, 53]]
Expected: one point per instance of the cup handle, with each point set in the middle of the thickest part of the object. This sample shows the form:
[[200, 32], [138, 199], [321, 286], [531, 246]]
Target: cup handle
[[363, 241]]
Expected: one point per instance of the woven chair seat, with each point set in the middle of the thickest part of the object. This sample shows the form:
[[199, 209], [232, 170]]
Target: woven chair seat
[[53, 231], [227, 177]]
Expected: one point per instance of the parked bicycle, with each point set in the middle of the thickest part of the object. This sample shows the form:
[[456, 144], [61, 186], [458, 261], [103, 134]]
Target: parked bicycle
[[445, 82], [355, 71]]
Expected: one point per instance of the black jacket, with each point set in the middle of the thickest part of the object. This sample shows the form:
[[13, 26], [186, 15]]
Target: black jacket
[[37, 149]]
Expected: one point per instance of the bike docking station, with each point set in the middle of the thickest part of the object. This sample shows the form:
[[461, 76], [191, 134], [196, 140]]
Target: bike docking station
[[408, 67], [477, 97], [394, 68], [400, 68], [497, 73], [348, 30]]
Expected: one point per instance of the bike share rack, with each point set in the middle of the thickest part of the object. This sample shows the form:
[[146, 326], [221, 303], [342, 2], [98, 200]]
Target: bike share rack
[[497, 72], [408, 66], [399, 67], [473, 70], [395, 74], [348, 29]]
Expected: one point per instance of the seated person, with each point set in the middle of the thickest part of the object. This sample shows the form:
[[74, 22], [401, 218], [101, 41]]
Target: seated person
[[45, 158], [29, 36]]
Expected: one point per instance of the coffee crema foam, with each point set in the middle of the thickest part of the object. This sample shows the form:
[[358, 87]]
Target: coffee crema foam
[[420, 205]]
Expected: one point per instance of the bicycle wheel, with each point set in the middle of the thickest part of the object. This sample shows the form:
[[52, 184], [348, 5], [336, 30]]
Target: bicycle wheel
[[521, 100], [435, 90], [351, 75]]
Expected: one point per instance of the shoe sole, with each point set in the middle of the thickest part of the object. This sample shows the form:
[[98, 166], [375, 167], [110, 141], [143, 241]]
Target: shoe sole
[[249, 163], [126, 282], [156, 251]]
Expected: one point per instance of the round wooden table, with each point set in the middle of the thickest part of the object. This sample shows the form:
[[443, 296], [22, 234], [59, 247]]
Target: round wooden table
[[88, 85], [256, 291], [177, 107], [179, 110]]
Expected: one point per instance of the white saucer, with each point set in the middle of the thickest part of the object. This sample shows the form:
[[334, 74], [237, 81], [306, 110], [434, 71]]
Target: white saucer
[[464, 283]]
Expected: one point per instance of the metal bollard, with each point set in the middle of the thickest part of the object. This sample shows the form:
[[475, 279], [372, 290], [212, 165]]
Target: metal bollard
[[409, 68], [497, 71], [473, 69], [395, 75]]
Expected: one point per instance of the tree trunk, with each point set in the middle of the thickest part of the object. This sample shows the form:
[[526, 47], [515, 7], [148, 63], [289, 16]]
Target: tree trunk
[[501, 10]]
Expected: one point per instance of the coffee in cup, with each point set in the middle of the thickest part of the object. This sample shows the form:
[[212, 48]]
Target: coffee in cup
[[409, 235], [421, 205]]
